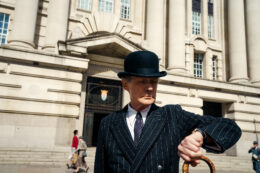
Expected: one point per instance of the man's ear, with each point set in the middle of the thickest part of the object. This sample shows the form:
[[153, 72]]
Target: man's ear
[[125, 84]]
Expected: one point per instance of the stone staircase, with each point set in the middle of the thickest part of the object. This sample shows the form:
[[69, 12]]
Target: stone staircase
[[54, 160]]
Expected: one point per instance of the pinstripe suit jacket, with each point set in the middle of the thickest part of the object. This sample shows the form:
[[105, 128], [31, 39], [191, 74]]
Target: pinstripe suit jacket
[[164, 129]]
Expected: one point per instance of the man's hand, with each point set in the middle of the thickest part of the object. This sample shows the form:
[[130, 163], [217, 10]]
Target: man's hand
[[189, 148]]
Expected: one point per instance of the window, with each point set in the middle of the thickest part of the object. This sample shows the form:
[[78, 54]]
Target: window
[[4, 21], [85, 4], [214, 68], [196, 17], [125, 9], [106, 6], [210, 19], [198, 65]]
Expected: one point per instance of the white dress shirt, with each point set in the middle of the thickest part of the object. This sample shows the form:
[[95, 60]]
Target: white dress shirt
[[130, 118]]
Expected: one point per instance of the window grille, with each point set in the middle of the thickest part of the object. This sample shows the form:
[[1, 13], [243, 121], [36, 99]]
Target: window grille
[[85, 4], [214, 68], [4, 22], [196, 23], [198, 65], [106, 6], [125, 9], [210, 27], [210, 19]]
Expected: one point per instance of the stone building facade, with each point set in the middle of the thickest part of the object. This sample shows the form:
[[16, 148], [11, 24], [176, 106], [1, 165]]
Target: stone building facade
[[59, 61]]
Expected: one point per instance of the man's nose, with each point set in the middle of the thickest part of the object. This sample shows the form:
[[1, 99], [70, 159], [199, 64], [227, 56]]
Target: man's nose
[[150, 87]]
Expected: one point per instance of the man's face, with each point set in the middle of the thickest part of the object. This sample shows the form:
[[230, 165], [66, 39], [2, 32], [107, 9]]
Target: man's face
[[142, 91], [255, 145]]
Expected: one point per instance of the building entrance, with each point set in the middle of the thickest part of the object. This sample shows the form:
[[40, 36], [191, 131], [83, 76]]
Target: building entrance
[[103, 97], [96, 122], [212, 108]]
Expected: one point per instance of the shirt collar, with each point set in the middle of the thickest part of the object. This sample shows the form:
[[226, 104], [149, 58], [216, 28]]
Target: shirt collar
[[131, 113], [143, 112]]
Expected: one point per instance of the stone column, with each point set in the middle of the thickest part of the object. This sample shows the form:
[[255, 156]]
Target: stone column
[[189, 59], [204, 19], [155, 27], [208, 68], [220, 67], [237, 42], [176, 60], [253, 39], [58, 12], [24, 24]]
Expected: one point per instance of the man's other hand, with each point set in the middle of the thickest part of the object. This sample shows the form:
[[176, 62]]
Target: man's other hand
[[190, 148]]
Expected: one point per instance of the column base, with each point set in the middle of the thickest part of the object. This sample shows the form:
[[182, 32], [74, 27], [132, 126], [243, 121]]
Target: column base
[[257, 83], [178, 70], [238, 80], [21, 44]]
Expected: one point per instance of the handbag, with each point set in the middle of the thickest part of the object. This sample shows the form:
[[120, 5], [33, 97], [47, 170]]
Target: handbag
[[84, 154], [185, 167], [75, 157]]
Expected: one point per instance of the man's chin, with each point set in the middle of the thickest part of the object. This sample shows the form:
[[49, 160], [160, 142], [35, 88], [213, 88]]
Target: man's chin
[[148, 102]]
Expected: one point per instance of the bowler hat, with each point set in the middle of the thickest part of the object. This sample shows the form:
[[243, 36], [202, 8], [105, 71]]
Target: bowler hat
[[255, 142], [141, 64]]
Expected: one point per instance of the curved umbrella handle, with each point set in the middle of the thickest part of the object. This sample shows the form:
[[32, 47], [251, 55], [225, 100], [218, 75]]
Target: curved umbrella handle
[[185, 167]]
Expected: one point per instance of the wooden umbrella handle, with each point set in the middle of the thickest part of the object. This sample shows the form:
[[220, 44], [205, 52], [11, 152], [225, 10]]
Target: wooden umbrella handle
[[185, 167]]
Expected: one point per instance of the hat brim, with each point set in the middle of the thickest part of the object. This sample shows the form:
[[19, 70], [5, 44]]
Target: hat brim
[[124, 74]]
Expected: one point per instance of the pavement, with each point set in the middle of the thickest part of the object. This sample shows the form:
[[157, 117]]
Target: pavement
[[59, 169]]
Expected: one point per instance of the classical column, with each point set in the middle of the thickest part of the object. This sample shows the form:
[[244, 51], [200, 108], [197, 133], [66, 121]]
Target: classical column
[[155, 26], [176, 60], [208, 58], [189, 59], [237, 41], [204, 17], [220, 68], [24, 23], [253, 39], [58, 12]]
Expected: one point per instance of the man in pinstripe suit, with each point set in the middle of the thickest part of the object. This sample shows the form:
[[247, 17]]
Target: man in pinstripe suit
[[143, 137]]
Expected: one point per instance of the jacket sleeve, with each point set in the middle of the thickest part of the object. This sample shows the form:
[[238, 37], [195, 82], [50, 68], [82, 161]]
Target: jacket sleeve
[[99, 166], [223, 131]]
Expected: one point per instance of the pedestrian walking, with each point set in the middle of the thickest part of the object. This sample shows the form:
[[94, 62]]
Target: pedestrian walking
[[74, 146], [255, 151], [81, 163]]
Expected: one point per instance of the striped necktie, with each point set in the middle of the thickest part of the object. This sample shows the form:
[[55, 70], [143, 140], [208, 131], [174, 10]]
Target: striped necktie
[[138, 128]]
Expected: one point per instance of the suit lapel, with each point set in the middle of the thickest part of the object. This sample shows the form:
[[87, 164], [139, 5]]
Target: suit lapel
[[153, 127], [122, 135]]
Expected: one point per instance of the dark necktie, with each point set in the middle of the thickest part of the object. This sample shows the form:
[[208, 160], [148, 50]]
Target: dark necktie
[[138, 127]]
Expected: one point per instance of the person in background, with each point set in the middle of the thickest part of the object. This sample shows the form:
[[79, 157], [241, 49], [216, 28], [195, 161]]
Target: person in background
[[74, 146], [255, 156], [82, 153]]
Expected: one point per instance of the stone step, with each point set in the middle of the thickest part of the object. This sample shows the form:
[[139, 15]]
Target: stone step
[[58, 159]]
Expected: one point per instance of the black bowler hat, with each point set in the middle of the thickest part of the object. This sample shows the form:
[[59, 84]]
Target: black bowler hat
[[255, 142], [141, 64]]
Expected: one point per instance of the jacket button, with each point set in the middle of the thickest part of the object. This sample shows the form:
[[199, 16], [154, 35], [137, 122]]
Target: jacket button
[[159, 167]]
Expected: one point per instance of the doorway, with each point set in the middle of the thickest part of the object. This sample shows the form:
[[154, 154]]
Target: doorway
[[103, 97], [96, 123], [212, 108]]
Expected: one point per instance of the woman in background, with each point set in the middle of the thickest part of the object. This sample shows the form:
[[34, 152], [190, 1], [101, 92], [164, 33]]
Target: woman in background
[[74, 146], [82, 153]]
